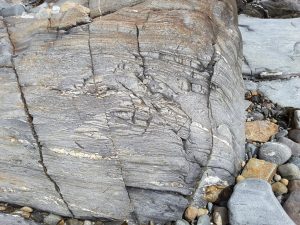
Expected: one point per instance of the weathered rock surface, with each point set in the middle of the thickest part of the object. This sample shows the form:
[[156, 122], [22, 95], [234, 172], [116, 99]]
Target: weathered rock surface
[[260, 130], [284, 92], [264, 58], [15, 220], [254, 203], [292, 206], [256, 168], [138, 109], [275, 66]]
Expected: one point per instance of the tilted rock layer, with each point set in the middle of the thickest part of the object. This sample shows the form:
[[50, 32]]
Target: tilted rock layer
[[128, 115]]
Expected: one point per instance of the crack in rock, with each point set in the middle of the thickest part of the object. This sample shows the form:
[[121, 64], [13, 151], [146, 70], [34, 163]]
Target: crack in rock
[[30, 122]]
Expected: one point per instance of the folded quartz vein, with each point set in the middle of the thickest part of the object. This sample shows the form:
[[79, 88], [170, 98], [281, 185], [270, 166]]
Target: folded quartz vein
[[127, 116]]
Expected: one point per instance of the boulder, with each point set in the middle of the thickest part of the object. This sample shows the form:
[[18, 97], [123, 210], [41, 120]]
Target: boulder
[[253, 203], [128, 116]]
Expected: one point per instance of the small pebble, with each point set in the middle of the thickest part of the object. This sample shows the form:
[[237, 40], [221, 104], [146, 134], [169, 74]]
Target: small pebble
[[191, 213], [210, 206], [220, 216], [73, 222], [277, 177], [52, 219], [27, 209], [278, 188], [202, 211], [284, 181], [203, 220], [26, 215], [274, 120]]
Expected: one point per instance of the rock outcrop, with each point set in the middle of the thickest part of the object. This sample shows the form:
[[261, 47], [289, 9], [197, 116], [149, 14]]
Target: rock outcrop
[[120, 111]]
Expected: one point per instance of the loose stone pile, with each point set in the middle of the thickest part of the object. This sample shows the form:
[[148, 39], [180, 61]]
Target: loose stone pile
[[270, 177]]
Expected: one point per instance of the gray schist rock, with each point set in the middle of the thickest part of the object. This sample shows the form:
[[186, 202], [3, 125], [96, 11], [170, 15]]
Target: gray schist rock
[[129, 116], [254, 203], [284, 92], [271, 47]]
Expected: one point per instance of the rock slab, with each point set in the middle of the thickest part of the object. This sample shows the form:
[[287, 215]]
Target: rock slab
[[260, 169], [253, 203], [262, 57]]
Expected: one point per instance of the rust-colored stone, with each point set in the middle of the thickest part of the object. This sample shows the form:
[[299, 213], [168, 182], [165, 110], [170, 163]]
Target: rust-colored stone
[[260, 130], [191, 213], [216, 193], [256, 168]]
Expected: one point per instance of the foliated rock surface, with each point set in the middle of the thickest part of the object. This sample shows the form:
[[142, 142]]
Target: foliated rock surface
[[138, 109]]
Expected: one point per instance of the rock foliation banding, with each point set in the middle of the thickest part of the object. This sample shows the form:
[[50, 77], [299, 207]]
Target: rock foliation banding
[[139, 108]]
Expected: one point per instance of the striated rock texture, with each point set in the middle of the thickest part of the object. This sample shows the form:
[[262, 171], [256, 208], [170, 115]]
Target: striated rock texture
[[126, 116]]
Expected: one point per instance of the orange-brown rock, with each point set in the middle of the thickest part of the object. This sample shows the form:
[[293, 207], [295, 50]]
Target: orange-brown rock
[[191, 213], [260, 169], [260, 130], [279, 188], [216, 193]]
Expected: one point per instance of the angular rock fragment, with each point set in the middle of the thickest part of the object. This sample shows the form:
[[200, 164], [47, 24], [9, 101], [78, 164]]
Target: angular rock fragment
[[260, 169], [260, 130]]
